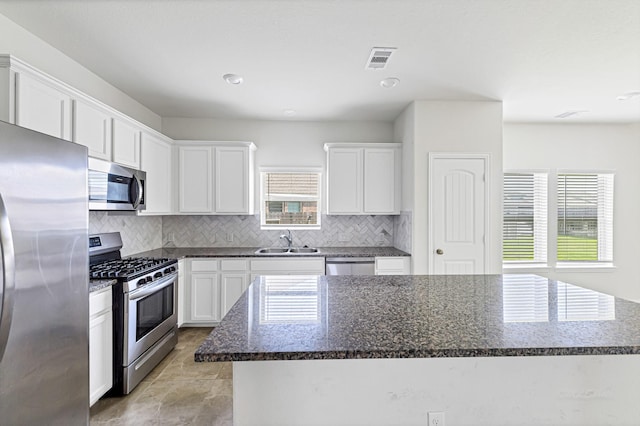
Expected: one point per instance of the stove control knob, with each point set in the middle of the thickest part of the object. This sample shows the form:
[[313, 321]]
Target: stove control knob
[[142, 281], [157, 275], [169, 270]]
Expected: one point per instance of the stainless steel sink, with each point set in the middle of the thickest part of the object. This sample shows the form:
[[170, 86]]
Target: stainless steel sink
[[303, 250], [283, 250], [272, 250]]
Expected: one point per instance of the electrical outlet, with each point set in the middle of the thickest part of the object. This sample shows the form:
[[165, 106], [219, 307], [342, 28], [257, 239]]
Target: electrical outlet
[[229, 237], [170, 237], [343, 238], [435, 418]]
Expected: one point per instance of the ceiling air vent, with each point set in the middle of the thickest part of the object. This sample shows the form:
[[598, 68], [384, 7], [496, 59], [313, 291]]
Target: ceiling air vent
[[379, 57]]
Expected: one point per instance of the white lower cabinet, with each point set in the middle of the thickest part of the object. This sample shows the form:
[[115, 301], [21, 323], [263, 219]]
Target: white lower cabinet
[[213, 285], [203, 292], [100, 344], [396, 265], [234, 280]]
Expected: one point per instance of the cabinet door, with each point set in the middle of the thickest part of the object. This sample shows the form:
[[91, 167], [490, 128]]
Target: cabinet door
[[205, 297], [42, 107], [233, 180], [100, 356], [100, 344], [344, 181], [92, 128], [380, 181], [155, 159], [126, 144], [196, 179], [232, 287]]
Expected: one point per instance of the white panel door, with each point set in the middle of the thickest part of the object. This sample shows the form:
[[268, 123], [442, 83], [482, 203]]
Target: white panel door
[[344, 181], [380, 181], [42, 107], [92, 128], [458, 213]]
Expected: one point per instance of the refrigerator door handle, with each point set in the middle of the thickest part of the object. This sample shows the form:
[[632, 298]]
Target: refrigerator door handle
[[7, 275]]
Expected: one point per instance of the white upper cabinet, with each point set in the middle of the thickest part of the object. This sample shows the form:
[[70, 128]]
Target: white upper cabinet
[[344, 181], [42, 107], [363, 178], [381, 181], [234, 180], [92, 128], [156, 161], [195, 179], [126, 143], [216, 177]]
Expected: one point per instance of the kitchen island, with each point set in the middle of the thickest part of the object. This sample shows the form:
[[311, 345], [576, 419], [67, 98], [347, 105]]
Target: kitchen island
[[490, 349]]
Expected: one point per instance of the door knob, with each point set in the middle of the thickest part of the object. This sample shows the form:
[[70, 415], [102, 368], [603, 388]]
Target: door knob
[[439, 251]]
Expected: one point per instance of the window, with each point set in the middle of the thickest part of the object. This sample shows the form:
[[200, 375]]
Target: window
[[290, 199], [585, 217], [524, 226]]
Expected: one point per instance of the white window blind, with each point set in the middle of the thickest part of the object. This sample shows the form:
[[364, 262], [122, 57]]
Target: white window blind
[[525, 217], [290, 199], [289, 299], [585, 217]]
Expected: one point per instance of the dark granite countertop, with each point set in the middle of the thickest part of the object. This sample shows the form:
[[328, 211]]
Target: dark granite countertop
[[339, 317], [184, 252], [95, 285]]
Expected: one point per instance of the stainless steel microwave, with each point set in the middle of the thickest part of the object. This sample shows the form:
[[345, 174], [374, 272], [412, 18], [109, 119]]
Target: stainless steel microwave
[[115, 187]]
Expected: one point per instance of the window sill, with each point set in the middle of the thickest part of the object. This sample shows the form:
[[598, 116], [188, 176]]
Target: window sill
[[588, 267], [291, 228]]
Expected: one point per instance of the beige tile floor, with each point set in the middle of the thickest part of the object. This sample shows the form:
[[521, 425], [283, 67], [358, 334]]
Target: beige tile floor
[[178, 391]]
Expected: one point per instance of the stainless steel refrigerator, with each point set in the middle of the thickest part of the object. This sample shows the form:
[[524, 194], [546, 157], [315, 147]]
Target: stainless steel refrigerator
[[44, 317]]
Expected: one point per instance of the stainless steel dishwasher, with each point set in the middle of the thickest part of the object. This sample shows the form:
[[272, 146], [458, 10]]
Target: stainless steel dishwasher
[[350, 266]]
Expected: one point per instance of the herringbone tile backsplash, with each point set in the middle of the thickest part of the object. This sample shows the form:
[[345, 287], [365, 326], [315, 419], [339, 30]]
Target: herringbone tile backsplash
[[244, 231], [142, 233], [139, 233]]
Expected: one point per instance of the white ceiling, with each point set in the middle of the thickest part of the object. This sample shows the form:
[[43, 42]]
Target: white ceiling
[[540, 57]]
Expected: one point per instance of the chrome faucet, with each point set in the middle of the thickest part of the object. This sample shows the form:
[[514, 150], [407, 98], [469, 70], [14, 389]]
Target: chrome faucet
[[289, 238]]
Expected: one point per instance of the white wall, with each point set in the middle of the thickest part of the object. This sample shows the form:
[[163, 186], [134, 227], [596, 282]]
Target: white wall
[[590, 147], [450, 126], [17, 41]]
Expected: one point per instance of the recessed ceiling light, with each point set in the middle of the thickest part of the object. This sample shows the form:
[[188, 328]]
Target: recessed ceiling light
[[390, 82], [628, 95], [571, 113], [289, 112], [233, 78]]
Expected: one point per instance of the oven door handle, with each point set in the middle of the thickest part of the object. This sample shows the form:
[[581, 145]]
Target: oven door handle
[[153, 287]]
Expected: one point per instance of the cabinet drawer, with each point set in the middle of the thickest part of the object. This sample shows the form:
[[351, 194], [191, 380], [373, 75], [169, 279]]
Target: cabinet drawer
[[204, 265], [393, 265], [100, 301], [233, 265]]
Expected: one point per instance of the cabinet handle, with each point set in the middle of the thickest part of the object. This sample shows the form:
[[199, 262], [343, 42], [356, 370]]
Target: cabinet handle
[[439, 251]]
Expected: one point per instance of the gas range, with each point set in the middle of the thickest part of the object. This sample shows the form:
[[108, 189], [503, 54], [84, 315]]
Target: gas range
[[134, 272], [144, 308]]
